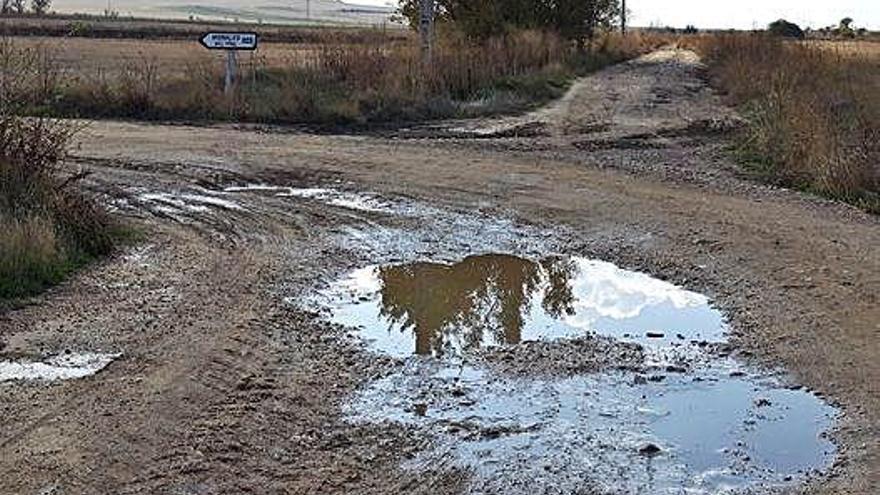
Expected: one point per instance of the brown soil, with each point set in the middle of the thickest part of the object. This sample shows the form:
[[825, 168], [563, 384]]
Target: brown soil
[[225, 388]]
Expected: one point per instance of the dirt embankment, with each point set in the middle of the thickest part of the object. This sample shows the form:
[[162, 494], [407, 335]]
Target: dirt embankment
[[225, 387]]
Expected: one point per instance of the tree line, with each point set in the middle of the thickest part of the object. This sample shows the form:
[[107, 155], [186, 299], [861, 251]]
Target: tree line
[[573, 19], [20, 6]]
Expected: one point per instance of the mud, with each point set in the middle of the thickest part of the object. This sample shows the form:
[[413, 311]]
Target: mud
[[231, 383]]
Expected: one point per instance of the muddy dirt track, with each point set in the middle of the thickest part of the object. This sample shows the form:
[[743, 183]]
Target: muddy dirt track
[[226, 384]]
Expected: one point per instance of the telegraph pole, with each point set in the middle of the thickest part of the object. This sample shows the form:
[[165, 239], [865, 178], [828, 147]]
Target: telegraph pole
[[623, 17]]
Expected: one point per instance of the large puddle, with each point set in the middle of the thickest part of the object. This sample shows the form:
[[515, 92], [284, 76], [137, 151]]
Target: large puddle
[[687, 419]]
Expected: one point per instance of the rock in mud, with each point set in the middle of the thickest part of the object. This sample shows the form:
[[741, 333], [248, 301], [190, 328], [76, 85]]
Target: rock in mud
[[650, 450]]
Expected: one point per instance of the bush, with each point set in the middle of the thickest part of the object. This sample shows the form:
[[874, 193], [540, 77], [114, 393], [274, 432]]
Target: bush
[[49, 228], [785, 29]]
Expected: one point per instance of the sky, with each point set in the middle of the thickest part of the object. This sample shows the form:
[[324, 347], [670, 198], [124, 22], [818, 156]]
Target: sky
[[743, 14]]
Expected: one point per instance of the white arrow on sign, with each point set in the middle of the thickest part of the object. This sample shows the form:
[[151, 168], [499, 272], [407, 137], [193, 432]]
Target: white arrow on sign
[[229, 41]]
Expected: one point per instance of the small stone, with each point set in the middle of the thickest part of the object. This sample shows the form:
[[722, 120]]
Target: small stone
[[649, 450], [763, 402], [654, 335]]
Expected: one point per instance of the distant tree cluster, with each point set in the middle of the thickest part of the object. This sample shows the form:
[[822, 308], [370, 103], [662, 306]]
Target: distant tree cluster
[[689, 29], [20, 7], [844, 29], [12, 7], [574, 19]]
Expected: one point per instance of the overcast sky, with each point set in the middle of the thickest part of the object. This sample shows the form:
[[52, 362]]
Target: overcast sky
[[743, 14]]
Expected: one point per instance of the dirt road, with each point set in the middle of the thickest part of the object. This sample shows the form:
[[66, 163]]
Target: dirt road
[[226, 384]]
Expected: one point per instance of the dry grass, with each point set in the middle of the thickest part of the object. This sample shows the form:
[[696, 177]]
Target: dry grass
[[814, 112], [333, 82]]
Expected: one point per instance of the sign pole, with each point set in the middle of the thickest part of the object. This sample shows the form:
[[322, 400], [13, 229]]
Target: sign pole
[[426, 29], [231, 69], [231, 43]]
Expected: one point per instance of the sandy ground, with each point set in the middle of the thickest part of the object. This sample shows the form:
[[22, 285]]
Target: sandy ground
[[225, 388]]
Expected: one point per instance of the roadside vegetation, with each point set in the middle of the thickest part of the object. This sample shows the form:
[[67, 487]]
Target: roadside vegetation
[[344, 83], [813, 112], [49, 227], [478, 68]]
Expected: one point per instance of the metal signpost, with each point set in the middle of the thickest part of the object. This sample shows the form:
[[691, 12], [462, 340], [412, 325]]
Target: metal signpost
[[232, 43]]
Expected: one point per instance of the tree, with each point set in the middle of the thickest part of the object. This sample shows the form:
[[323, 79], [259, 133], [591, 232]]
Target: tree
[[574, 19], [13, 6], [40, 6], [786, 29], [845, 28]]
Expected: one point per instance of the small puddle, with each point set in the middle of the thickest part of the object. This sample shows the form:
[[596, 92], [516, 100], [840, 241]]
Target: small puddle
[[60, 367], [352, 201], [705, 424], [187, 202]]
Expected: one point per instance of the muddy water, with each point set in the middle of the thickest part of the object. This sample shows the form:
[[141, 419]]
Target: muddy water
[[688, 419]]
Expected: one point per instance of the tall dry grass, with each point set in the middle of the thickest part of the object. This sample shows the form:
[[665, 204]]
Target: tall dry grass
[[48, 227], [338, 82], [814, 112]]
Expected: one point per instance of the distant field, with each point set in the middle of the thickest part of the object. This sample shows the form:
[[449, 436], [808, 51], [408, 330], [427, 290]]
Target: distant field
[[287, 12], [89, 57], [87, 26], [866, 48]]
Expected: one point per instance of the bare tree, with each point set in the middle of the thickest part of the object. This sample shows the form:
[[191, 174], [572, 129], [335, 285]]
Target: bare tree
[[40, 6], [17, 6]]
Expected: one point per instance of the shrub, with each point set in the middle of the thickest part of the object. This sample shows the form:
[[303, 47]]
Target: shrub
[[785, 29], [49, 227]]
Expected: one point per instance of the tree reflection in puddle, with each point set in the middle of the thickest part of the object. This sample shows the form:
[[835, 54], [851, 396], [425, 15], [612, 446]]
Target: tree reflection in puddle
[[446, 310]]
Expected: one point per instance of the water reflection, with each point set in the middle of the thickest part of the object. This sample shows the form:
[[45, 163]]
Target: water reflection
[[445, 310]]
